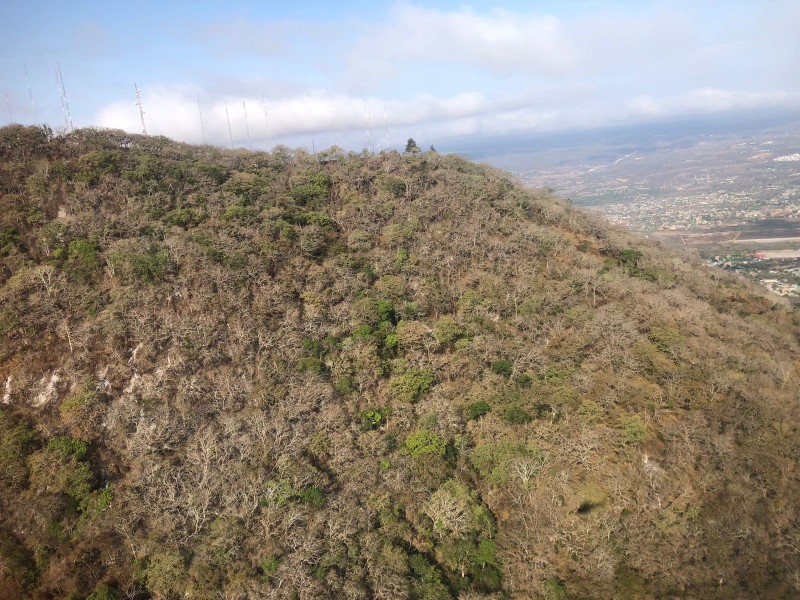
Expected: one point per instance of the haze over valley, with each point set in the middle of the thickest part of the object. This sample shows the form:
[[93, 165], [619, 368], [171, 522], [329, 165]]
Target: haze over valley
[[728, 187]]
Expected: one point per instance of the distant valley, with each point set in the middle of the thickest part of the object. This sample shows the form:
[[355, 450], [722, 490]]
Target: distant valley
[[728, 188]]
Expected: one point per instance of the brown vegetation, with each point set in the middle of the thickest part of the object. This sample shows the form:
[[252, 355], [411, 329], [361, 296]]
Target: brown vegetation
[[244, 375]]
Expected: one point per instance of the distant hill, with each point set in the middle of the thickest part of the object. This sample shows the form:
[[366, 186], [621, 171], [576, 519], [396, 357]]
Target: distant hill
[[228, 374]]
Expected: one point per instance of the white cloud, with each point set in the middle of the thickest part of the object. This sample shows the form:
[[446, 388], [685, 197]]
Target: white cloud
[[459, 72], [708, 100], [514, 43], [500, 41], [173, 111]]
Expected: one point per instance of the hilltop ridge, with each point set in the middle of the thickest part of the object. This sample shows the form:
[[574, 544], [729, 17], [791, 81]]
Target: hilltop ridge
[[350, 375]]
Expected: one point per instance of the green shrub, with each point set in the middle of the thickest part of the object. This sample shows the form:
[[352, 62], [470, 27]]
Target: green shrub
[[78, 402], [310, 188], [345, 386], [372, 418], [60, 468], [493, 461], [590, 412], [634, 430], [393, 186], [104, 592], [447, 330], [424, 441], [150, 267], [542, 410], [165, 574], [311, 364], [485, 569], [247, 187], [16, 442], [555, 589], [516, 416], [83, 257], [97, 163], [182, 217], [502, 367], [666, 339], [245, 215], [411, 385], [304, 218], [629, 258], [477, 410], [267, 566], [555, 375], [391, 342], [427, 581], [313, 495], [313, 241], [385, 311], [8, 239], [64, 447], [524, 380]]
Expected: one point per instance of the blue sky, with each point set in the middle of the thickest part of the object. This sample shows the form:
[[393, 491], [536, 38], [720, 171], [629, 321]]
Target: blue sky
[[329, 71]]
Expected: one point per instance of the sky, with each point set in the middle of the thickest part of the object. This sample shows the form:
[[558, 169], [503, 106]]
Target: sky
[[370, 74]]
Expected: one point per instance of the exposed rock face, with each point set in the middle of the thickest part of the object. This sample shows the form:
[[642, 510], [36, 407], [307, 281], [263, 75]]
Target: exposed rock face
[[48, 386]]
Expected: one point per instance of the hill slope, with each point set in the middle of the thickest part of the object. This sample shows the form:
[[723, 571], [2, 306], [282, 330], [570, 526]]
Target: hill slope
[[240, 375]]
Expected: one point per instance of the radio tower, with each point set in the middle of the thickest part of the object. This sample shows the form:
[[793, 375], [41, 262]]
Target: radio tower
[[386, 126], [246, 126], [139, 104], [202, 127], [30, 93], [63, 93], [266, 118], [8, 108], [368, 123], [227, 116]]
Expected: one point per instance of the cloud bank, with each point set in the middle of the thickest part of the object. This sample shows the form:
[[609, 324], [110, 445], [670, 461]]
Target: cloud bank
[[417, 70]]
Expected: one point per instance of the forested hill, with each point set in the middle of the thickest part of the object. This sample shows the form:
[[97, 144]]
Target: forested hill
[[231, 374]]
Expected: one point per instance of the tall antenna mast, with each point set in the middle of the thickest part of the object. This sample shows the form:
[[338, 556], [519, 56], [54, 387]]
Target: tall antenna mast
[[246, 126], [8, 108], [369, 128], [139, 104], [227, 116], [266, 118], [63, 93], [202, 127], [386, 126], [30, 93]]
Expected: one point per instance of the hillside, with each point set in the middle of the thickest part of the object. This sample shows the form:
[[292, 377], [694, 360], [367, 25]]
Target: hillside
[[229, 374]]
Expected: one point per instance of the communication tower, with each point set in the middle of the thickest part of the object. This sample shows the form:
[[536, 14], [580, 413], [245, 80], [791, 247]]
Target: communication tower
[[266, 118], [62, 91], [200, 112], [386, 126], [228, 117], [368, 123], [139, 105], [30, 93], [246, 126], [8, 108]]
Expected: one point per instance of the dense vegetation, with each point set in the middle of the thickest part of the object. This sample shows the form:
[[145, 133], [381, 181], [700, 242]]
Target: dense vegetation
[[244, 375]]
